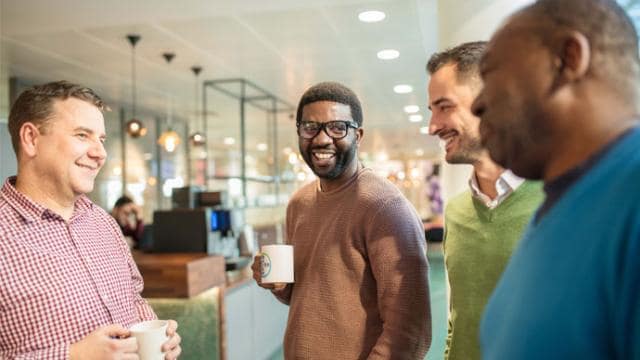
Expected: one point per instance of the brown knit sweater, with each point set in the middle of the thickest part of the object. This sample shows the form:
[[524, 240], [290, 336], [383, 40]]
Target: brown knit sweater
[[361, 276]]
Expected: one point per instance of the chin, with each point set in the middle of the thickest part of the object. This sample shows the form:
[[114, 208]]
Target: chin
[[329, 174], [84, 188]]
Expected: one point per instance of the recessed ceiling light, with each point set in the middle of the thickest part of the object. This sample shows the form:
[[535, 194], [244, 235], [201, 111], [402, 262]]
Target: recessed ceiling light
[[388, 54], [402, 89], [410, 109], [371, 16], [229, 141], [424, 130], [419, 152], [415, 118], [262, 147]]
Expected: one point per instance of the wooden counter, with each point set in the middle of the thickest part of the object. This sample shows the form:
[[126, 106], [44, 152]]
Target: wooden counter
[[179, 275]]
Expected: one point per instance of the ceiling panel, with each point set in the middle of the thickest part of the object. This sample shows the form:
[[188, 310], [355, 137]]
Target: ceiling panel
[[284, 46]]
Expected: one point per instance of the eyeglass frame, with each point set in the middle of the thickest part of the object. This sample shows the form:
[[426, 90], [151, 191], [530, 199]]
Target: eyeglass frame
[[323, 127]]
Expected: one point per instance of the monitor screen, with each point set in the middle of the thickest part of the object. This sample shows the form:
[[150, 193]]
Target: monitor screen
[[220, 220]]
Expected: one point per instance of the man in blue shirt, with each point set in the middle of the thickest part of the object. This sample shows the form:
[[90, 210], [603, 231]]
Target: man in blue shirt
[[560, 103]]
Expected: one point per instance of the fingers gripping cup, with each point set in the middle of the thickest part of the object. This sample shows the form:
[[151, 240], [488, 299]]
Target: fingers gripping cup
[[277, 264], [150, 336]]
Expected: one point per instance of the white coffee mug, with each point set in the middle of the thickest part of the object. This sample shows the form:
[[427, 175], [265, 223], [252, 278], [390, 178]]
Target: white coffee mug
[[277, 264], [150, 336]]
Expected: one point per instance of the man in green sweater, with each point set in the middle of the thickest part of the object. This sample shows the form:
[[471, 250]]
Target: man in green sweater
[[484, 223]]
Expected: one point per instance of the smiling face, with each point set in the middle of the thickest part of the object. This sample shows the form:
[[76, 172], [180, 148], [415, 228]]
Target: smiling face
[[451, 117], [516, 103], [69, 150], [328, 158]]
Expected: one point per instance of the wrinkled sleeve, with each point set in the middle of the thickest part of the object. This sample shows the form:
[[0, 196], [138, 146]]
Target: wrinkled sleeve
[[396, 249]]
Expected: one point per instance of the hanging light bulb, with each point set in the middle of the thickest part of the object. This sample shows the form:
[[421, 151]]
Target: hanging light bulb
[[169, 140], [197, 138], [134, 127]]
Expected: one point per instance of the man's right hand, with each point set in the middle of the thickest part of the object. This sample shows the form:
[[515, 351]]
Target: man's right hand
[[108, 342], [257, 275]]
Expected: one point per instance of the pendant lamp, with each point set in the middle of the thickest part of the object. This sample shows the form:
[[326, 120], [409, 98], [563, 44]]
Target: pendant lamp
[[169, 140], [134, 127], [197, 138]]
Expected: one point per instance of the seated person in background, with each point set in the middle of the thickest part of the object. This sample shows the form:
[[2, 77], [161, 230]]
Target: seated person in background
[[129, 217], [69, 288]]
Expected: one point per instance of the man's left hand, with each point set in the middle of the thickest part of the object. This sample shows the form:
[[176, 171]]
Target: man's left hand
[[172, 347]]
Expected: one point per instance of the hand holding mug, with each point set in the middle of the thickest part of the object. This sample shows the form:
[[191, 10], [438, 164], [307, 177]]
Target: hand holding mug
[[257, 275]]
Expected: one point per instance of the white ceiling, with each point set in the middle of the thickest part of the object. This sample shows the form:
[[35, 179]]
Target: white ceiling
[[283, 46]]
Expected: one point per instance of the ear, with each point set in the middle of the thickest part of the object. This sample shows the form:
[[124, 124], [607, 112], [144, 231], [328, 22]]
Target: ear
[[29, 134], [359, 135], [573, 58]]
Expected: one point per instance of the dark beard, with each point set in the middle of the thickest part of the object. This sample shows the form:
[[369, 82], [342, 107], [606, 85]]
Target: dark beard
[[343, 159]]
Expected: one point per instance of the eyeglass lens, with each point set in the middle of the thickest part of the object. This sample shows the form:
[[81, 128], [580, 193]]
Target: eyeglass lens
[[335, 129]]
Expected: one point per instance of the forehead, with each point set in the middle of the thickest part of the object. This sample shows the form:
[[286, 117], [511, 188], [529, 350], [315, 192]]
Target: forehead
[[444, 84], [516, 37], [326, 111], [74, 113]]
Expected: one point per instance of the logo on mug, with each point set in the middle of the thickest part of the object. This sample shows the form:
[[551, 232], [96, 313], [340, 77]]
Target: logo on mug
[[266, 265]]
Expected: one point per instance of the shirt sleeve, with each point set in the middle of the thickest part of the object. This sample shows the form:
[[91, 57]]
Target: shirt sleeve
[[396, 249], [625, 275], [145, 312]]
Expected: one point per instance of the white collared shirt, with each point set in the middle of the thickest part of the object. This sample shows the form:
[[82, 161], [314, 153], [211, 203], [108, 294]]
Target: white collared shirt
[[507, 183]]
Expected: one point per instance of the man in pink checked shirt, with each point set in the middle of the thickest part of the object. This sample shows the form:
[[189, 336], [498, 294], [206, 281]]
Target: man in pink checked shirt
[[69, 288]]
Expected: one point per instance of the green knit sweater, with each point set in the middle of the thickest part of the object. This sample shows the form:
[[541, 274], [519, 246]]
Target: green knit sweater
[[477, 247]]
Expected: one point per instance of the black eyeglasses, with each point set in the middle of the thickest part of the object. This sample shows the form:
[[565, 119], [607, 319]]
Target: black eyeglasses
[[336, 129]]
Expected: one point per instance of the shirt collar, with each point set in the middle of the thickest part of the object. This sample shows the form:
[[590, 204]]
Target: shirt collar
[[31, 210], [507, 181]]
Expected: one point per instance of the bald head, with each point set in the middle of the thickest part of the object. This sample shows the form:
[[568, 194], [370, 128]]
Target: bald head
[[610, 32], [560, 80]]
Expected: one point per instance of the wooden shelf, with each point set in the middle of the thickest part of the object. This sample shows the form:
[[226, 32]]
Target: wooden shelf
[[179, 275]]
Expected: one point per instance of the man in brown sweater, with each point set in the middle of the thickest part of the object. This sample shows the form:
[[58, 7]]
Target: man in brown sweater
[[361, 286]]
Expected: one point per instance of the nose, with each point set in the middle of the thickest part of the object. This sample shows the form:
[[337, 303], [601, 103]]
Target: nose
[[434, 124], [478, 106], [322, 138], [97, 151]]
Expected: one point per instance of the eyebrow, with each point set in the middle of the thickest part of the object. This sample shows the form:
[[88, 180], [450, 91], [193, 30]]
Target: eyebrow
[[87, 130], [439, 101]]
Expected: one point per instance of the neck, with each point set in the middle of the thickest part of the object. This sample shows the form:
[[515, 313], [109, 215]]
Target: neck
[[598, 127], [487, 173], [349, 172], [45, 195]]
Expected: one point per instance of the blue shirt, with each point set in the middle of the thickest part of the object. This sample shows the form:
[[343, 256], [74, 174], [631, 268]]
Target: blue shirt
[[572, 288]]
